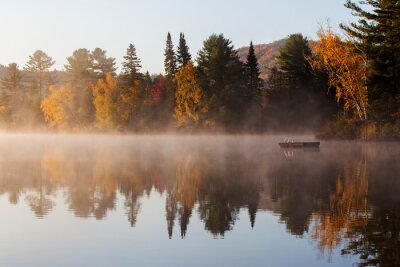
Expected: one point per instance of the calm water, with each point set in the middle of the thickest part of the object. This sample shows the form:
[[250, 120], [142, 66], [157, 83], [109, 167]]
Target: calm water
[[196, 201]]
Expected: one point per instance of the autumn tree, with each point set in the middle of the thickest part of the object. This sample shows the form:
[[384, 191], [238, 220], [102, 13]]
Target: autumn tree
[[162, 102], [189, 107], [182, 53], [105, 102], [346, 67], [39, 64], [59, 107]]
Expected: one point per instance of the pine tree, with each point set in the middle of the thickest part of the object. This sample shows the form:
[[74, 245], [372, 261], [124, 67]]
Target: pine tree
[[131, 65], [170, 58], [38, 64], [182, 53], [376, 35], [254, 83], [82, 78], [102, 64], [292, 58], [80, 67]]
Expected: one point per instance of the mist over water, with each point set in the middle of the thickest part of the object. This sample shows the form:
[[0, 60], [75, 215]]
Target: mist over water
[[103, 200]]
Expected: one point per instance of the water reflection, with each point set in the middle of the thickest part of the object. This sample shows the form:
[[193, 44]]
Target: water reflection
[[345, 196]]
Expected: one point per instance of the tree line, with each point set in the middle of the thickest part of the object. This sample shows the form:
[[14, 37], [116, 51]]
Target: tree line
[[214, 94], [345, 86]]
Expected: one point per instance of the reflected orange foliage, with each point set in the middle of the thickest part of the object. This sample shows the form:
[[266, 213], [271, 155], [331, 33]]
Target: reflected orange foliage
[[348, 207]]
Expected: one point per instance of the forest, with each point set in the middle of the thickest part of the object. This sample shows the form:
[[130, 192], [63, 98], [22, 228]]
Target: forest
[[342, 85]]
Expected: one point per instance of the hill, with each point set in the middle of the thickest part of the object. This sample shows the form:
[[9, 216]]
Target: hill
[[265, 53]]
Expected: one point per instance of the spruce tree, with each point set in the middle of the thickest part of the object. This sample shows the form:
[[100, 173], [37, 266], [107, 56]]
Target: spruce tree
[[170, 58], [131, 65], [182, 53], [254, 83]]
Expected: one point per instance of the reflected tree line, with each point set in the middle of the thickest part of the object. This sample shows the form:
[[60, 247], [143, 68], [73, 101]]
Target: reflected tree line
[[91, 179], [342, 198]]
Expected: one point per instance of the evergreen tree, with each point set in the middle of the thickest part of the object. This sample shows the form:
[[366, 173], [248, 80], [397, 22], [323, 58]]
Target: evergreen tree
[[38, 64], [11, 97], [292, 58], [376, 34], [221, 75], [182, 53], [80, 67], [254, 83], [147, 79], [82, 78], [102, 64], [131, 65], [167, 97], [170, 58], [11, 82]]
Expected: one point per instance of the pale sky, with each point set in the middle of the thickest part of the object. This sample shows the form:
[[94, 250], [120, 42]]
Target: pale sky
[[58, 27]]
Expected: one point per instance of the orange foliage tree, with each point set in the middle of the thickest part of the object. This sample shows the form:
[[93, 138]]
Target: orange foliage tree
[[58, 107], [346, 67]]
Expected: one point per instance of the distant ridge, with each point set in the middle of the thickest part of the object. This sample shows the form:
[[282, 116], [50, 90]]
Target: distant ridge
[[265, 53]]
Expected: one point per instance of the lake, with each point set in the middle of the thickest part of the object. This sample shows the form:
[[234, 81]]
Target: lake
[[81, 200]]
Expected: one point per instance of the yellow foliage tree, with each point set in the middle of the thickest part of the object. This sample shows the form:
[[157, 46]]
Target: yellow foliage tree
[[58, 107], [189, 106], [346, 67], [105, 101]]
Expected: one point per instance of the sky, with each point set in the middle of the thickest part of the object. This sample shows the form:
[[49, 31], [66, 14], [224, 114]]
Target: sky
[[58, 27]]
